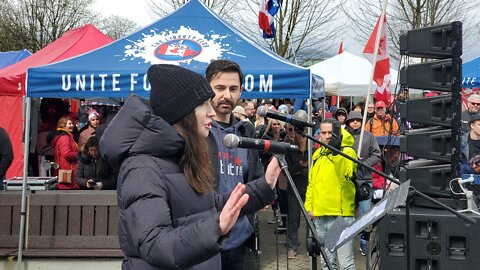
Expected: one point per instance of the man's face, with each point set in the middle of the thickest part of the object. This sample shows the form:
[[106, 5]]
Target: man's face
[[290, 131], [355, 124], [371, 108], [475, 127], [326, 131], [380, 111], [341, 118], [250, 109], [227, 88], [474, 105]]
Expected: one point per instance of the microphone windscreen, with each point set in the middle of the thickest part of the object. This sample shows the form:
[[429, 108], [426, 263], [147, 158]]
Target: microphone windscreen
[[262, 111], [231, 141], [302, 115]]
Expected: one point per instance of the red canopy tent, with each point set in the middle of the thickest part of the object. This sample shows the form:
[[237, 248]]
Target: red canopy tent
[[12, 82]]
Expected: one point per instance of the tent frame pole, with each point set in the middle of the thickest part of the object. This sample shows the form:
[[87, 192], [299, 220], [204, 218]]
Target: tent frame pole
[[23, 211]]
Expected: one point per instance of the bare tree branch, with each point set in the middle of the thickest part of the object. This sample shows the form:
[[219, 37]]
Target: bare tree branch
[[404, 15]]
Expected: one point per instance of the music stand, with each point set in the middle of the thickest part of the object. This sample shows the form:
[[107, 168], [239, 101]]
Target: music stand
[[341, 232]]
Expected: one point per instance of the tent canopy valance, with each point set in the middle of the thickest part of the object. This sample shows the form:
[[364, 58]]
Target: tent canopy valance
[[471, 74]]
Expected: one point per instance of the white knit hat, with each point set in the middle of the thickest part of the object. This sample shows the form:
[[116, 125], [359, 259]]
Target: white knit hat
[[92, 115]]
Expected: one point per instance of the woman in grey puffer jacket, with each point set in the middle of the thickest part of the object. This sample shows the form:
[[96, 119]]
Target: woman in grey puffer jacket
[[170, 217]]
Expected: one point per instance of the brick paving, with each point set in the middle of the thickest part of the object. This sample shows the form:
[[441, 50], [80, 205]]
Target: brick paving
[[268, 248]]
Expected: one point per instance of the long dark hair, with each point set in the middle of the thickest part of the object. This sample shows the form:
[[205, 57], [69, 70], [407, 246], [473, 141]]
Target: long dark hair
[[196, 161]]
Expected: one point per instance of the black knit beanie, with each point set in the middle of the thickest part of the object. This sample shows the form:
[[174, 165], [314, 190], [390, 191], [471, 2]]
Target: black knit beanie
[[176, 91]]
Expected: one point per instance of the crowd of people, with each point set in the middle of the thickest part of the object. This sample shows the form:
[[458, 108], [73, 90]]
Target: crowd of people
[[186, 200]]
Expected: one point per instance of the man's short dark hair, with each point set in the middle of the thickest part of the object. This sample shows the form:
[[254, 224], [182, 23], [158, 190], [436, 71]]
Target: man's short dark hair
[[326, 121], [218, 66]]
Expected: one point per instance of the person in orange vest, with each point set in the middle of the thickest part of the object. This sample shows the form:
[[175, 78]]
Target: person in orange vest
[[382, 124]]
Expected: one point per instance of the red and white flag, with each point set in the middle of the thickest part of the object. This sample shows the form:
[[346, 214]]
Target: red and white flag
[[340, 50], [381, 75]]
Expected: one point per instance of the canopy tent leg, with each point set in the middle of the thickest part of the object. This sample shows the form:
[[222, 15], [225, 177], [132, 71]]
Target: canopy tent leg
[[23, 211]]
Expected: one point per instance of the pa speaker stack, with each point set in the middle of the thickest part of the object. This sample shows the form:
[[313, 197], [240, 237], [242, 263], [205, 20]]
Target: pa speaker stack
[[438, 142]]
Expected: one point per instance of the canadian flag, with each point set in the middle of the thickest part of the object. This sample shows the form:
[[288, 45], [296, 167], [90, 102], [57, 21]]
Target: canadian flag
[[340, 50], [177, 49], [381, 75]]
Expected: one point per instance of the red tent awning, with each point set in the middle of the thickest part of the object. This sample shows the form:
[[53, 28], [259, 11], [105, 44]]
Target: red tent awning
[[72, 43]]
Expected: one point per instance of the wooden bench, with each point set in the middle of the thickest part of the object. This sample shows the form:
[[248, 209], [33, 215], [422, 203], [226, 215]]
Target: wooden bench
[[69, 224], [10, 204]]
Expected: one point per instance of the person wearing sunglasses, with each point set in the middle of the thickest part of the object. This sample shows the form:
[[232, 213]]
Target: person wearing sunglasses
[[472, 108]]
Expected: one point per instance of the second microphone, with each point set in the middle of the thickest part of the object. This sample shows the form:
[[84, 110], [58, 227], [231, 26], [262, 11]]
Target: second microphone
[[233, 141]]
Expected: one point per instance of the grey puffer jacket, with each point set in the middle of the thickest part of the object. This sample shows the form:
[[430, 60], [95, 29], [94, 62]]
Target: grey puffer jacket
[[164, 223]]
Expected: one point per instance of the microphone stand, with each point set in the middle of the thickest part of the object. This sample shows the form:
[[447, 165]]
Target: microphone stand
[[318, 246], [396, 181]]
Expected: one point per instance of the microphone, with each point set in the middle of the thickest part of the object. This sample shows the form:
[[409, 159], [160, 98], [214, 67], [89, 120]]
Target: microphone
[[233, 141], [298, 122]]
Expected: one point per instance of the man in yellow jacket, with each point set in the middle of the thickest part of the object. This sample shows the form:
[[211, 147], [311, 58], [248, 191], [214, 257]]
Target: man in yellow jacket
[[330, 192]]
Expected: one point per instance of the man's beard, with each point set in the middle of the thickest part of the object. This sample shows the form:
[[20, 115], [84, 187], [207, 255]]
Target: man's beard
[[219, 109]]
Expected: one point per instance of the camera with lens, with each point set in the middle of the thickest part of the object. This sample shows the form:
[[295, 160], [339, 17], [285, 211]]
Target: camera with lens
[[363, 189]]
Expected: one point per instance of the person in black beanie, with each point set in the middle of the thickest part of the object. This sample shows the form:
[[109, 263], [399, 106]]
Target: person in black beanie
[[170, 216]]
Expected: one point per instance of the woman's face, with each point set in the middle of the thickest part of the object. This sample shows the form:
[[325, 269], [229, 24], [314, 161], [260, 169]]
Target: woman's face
[[204, 114], [93, 151], [94, 122], [69, 126], [276, 127]]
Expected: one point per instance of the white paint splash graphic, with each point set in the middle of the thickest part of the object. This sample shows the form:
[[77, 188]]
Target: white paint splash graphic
[[143, 50]]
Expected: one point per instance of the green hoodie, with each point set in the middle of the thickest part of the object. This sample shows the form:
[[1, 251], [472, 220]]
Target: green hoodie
[[330, 191]]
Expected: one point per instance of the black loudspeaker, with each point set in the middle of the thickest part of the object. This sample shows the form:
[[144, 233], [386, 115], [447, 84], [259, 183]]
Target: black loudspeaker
[[435, 111], [441, 70], [429, 177], [438, 240], [432, 76], [440, 41], [428, 144]]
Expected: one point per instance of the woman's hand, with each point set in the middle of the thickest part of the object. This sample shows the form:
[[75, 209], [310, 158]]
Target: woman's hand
[[231, 210], [272, 172]]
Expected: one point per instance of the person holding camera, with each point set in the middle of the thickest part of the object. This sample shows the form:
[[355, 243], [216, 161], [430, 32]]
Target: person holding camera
[[470, 147], [330, 191], [370, 155]]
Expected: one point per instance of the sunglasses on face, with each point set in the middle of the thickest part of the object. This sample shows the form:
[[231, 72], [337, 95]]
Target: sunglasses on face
[[475, 104], [291, 129]]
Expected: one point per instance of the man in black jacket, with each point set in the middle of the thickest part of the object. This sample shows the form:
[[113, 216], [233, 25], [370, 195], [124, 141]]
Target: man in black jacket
[[232, 165], [6, 155]]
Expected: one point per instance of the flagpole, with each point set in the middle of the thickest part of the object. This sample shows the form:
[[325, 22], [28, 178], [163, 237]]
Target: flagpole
[[374, 64]]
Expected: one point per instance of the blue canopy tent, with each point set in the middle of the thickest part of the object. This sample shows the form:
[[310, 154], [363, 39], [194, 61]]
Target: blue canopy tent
[[8, 58], [191, 37], [471, 74]]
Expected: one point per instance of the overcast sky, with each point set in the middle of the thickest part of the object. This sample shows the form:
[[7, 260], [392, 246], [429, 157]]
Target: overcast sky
[[136, 10]]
